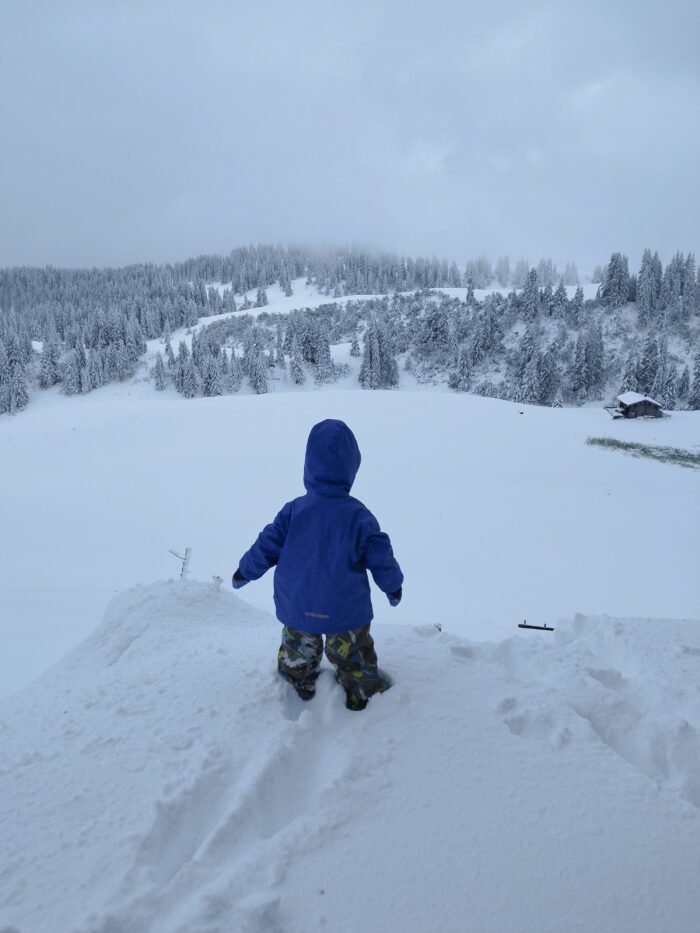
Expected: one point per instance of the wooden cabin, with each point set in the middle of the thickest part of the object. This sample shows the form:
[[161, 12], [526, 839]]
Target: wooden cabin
[[635, 405]]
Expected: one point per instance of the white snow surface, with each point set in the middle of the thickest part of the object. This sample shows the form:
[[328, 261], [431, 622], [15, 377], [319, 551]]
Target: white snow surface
[[497, 511], [162, 778]]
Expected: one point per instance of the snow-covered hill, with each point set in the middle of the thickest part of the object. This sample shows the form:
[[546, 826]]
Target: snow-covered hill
[[161, 778], [498, 511]]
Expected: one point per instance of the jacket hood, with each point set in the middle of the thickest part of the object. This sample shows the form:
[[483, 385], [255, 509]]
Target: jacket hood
[[332, 458]]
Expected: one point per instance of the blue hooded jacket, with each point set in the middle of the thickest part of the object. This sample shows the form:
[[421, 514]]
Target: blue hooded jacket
[[323, 543]]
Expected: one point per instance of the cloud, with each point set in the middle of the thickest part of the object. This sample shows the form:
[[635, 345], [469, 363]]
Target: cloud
[[151, 131]]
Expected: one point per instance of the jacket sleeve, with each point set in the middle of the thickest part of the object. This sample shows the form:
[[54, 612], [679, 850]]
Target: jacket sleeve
[[266, 551], [376, 551]]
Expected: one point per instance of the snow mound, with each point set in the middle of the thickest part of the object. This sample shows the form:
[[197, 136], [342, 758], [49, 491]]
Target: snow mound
[[162, 778]]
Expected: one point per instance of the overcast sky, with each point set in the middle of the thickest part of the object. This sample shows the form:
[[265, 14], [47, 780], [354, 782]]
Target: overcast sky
[[134, 131]]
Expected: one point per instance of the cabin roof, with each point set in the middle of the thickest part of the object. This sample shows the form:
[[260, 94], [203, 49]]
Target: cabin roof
[[632, 398]]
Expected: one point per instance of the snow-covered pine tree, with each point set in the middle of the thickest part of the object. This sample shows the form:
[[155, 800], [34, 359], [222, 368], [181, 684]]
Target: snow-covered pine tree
[[547, 300], [235, 375], [325, 371], [4, 365], [579, 376], [257, 371], [210, 377], [530, 298], [296, 365], [576, 306], [548, 377], [694, 396], [183, 355], [561, 301], [355, 345], [684, 383], [461, 377], [169, 355], [159, 373], [17, 396], [70, 372], [503, 271], [529, 390], [558, 400], [371, 365], [261, 301], [388, 368], [521, 274], [123, 362], [49, 372], [190, 380], [646, 290], [94, 376], [615, 289], [570, 274], [648, 363], [630, 380]]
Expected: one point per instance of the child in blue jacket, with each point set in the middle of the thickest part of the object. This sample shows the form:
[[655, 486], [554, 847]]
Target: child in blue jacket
[[322, 545]]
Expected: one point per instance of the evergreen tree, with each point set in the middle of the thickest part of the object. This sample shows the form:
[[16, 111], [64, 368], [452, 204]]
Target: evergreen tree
[[49, 373], [296, 366], [548, 377], [190, 381], [616, 284], [576, 305], [503, 271], [694, 397], [558, 400], [388, 368], [561, 301], [261, 301], [684, 383], [93, 372], [630, 380], [169, 355], [159, 373], [355, 346], [547, 300], [257, 372], [370, 367], [530, 298], [70, 372], [646, 290], [210, 377], [18, 396], [460, 378], [123, 362], [580, 379], [235, 375], [325, 371], [4, 365], [434, 336], [648, 364]]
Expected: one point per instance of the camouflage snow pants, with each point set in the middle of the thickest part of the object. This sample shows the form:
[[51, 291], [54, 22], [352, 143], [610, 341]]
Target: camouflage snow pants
[[351, 653]]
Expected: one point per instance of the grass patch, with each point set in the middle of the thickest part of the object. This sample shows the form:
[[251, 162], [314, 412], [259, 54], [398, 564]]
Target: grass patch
[[677, 455]]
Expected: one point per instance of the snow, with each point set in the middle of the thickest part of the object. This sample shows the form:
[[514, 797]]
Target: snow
[[497, 511], [159, 777], [162, 778], [631, 398]]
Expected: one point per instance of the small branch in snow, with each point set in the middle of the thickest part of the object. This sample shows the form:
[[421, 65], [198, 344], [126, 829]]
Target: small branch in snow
[[185, 561]]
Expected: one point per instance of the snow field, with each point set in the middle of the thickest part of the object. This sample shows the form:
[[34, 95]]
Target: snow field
[[161, 778], [497, 511]]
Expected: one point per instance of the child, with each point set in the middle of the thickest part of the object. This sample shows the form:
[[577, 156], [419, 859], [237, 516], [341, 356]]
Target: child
[[322, 544]]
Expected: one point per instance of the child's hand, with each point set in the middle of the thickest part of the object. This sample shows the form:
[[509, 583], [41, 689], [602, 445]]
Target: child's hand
[[395, 597], [238, 580]]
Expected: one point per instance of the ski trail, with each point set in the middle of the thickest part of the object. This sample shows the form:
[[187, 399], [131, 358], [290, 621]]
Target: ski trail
[[216, 853]]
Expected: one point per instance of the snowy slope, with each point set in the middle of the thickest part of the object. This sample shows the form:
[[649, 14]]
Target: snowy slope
[[161, 778], [498, 511]]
